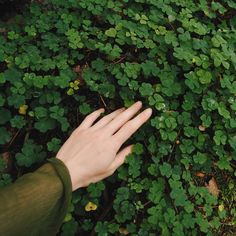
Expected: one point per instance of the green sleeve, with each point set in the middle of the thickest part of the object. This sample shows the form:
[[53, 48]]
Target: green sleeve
[[37, 202]]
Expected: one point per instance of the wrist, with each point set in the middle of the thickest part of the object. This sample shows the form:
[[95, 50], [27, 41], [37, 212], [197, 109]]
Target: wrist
[[76, 176]]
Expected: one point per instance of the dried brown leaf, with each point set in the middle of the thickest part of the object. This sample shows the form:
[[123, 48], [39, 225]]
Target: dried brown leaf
[[7, 159], [200, 174], [123, 231], [212, 187], [77, 69], [201, 128]]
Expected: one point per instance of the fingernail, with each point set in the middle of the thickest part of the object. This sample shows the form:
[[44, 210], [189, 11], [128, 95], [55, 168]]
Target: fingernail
[[148, 112], [139, 103]]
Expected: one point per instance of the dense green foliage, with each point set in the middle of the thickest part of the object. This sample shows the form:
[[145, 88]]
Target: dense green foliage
[[60, 60]]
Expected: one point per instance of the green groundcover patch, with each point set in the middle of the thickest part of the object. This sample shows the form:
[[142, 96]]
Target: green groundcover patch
[[60, 60]]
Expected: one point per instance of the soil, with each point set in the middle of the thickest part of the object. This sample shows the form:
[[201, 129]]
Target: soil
[[9, 8]]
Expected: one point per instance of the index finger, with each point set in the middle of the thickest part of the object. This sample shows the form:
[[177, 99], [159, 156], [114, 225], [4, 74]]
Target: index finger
[[131, 127]]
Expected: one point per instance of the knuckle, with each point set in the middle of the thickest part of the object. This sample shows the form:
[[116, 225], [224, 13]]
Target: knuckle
[[116, 142], [131, 125], [139, 119], [77, 132]]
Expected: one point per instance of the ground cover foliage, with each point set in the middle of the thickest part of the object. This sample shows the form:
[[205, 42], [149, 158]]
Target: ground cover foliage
[[60, 60]]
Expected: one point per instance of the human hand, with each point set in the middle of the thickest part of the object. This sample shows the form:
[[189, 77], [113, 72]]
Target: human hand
[[90, 153]]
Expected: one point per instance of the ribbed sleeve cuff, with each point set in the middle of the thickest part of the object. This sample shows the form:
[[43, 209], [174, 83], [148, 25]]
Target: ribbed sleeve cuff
[[64, 175]]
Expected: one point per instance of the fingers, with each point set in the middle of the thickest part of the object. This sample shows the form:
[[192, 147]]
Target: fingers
[[120, 157], [89, 119], [106, 119], [122, 118], [131, 127]]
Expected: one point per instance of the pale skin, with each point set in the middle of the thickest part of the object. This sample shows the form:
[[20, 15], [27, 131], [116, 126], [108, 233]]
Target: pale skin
[[92, 152]]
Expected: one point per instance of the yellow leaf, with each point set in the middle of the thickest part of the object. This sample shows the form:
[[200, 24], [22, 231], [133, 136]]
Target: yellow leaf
[[90, 206], [23, 109], [76, 82], [221, 207], [70, 91]]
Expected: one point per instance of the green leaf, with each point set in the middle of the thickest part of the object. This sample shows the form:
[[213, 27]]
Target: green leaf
[[156, 191], [98, 65], [138, 149], [74, 39], [146, 89], [70, 227], [179, 196], [134, 166], [224, 163], [5, 116], [12, 75], [54, 145], [4, 135], [223, 111], [40, 112], [170, 123], [166, 169], [45, 124], [2, 78], [232, 142], [200, 158], [95, 190], [30, 154], [5, 180], [85, 108], [111, 32], [2, 100], [18, 122], [220, 137], [205, 77]]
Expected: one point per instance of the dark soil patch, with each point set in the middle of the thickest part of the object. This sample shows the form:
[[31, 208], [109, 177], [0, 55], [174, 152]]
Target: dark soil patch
[[10, 8]]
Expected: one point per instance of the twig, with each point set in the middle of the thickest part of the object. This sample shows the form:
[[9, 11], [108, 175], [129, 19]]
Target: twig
[[171, 26], [121, 59], [102, 216], [28, 132], [103, 101], [13, 138]]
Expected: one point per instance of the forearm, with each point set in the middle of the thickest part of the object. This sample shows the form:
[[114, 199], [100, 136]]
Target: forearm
[[36, 203]]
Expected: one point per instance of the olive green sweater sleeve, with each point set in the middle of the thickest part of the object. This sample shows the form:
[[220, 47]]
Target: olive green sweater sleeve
[[37, 202]]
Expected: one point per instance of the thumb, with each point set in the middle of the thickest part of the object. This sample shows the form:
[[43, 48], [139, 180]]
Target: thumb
[[120, 157]]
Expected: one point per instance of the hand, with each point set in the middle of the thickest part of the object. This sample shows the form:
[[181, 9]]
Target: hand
[[90, 153]]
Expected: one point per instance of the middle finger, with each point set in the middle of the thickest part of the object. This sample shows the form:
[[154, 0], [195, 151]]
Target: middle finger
[[122, 118]]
